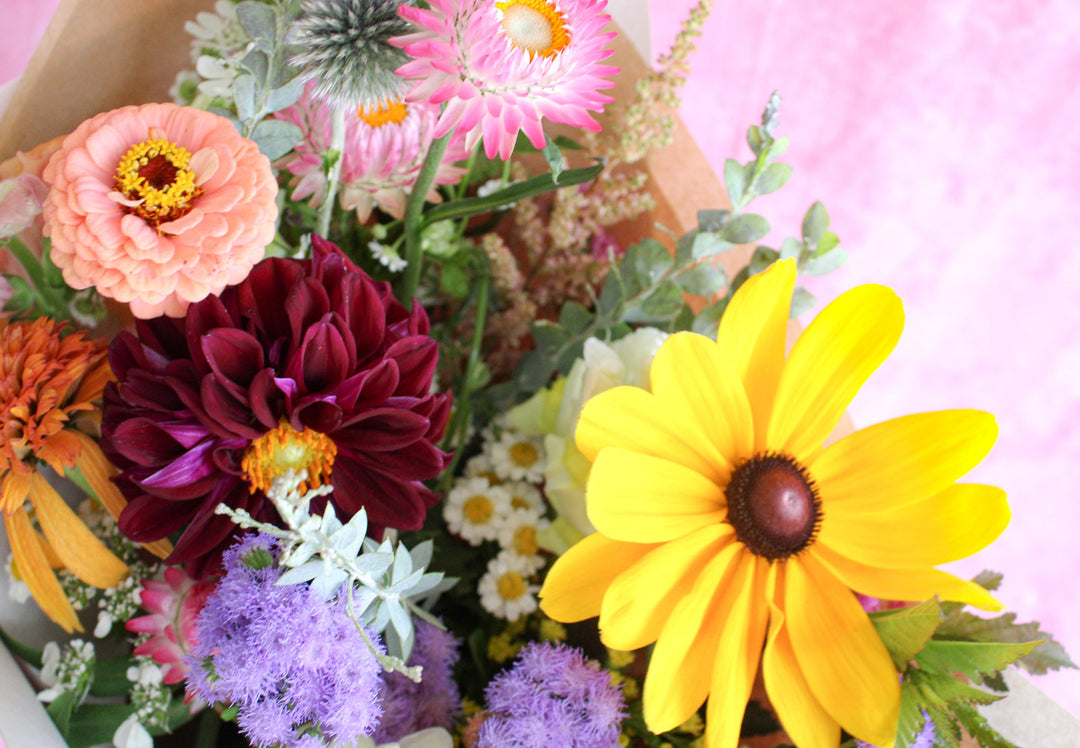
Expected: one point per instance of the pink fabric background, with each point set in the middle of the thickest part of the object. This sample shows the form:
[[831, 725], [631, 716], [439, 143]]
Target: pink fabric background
[[942, 137]]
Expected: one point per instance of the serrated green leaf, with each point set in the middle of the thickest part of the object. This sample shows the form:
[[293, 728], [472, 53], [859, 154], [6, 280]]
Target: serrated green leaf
[[244, 95], [745, 228], [257, 19], [1049, 655], [973, 659], [647, 261], [989, 580], [705, 279], [905, 631], [276, 137], [772, 178], [712, 220], [734, 180], [708, 244], [978, 728], [823, 264], [802, 301], [574, 317], [554, 159], [60, 710], [911, 719], [814, 223], [949, 689]]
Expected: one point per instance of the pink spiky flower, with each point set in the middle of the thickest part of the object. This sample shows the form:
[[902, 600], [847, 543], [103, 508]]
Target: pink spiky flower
[[502, 66], [174, 604]]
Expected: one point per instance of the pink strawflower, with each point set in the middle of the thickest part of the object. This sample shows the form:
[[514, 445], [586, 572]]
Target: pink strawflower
[[503, 65], [174, 605], [384, 150], [158, 206]]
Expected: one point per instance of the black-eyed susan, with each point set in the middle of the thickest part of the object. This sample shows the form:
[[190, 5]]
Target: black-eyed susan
[[730, 536]]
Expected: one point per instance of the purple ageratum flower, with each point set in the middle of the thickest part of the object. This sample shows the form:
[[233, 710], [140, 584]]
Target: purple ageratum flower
[[552, 696], [283, 656], [409, 707]]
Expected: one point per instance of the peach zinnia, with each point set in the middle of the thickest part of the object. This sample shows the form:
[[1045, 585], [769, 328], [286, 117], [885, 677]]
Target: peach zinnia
[[158, 206]]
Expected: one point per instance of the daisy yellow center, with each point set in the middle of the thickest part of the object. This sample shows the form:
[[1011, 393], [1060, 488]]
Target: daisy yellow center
[[155, 174], [535, 26], [389, 112], [478, 509], [517, 502], [525, 541], [773, 505], [510, 585], [523, 454], [283, 449]]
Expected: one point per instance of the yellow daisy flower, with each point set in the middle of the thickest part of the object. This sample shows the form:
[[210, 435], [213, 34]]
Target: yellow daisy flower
[[730, 536]]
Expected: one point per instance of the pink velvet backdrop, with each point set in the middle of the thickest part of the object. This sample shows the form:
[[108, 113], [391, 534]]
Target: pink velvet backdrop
[[942, 139]]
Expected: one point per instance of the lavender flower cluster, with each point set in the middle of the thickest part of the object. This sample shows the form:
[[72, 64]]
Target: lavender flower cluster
[[297, 668], [552, 696]]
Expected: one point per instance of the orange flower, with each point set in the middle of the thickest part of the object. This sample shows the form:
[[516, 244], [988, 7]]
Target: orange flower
[[49, 386]]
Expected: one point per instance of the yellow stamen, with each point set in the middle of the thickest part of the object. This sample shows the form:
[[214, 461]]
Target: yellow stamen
[[478, 509], [525, 541], [389, 112], [510, 586], [283, 449], [155, 173], [535, 26], [523, 454]]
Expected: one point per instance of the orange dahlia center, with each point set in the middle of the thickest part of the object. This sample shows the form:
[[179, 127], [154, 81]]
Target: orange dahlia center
[[389, 112], [155, 177], [773, 505], [283, 449], [535, 26]]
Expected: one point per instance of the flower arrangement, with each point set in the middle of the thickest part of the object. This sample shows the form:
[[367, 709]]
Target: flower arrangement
[[393, 433]]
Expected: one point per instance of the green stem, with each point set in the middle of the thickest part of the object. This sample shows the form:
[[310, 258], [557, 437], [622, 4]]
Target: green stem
[[459, 426], [52, 303], [337, 146], [207, 733], [414, 211]]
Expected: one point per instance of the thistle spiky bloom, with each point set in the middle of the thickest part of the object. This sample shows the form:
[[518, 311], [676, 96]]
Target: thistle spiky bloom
[[48, 384], [305, 365], [730, 535], [344, 50], [503, 66]]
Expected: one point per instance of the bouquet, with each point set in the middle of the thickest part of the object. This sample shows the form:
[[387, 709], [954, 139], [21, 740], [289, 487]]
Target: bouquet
[[396, 425]]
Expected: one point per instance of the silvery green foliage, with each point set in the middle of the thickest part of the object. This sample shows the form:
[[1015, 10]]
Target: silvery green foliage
[[383, 584], [342, 47]]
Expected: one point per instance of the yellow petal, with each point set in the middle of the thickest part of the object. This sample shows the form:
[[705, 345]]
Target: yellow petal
[[80, 550], [639, 600], [802, 715], [96, 470], [839, 652], [959, 521], [903, 460], [13, 490], [60, 451], [638, 498], [753, 333], [908, 585], [830, 361], [690, 375], [746, 615], [631, 418], [681, 666], [577, 581], [34, 570]]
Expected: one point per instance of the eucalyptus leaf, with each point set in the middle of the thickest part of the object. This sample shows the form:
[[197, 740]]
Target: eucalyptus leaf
[[745, 228], [574, 317], [734, 180], [276, 137], [802, 301], [661, 305], [772, 178], [708, 244], [762, 258], [791, 249], [705, 279], [708, 319], [815, 223], [712, 220], [826, 243], [549, 336], [648, 261], [826, 263]]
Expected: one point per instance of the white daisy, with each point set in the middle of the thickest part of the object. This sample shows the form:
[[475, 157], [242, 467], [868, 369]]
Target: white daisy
[[524, 496], [518, 456], [518, 536], [475, 509], [220, 31], [505, 591], [480, 467]]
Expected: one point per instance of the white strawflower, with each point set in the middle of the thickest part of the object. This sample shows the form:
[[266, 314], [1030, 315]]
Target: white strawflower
[[505, 591], [475, 509]]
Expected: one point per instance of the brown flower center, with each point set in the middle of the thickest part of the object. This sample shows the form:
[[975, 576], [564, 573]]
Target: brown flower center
[[773, 505], [535, 26], [154, 177], [282, 449]]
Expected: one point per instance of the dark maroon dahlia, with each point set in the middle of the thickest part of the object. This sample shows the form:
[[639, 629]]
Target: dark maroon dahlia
[[305, 364]]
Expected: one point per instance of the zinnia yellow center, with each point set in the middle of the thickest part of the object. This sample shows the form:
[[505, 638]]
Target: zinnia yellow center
[[534, 26], [510, 586], [523, 454], [155, 174], [389, 112], [478, 509], [283, 449]]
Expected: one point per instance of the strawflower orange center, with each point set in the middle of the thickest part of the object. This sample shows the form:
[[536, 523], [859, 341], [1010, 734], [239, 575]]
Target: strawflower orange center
[[535, 26], [389, 112], [283, 449], [773, 505], [155, 175]]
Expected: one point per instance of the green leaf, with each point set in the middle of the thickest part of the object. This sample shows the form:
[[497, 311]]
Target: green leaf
[[705, 279], [537, 185], [973, 659], [911, 719], [661, 305], [554, 159], [814, 223], [94, 724], [549, 336], [276, 137], [708, 244], [754, 139], [978, 728], [454, 280], [257, 19], [612, 293], [60, 710], [244, 94], [23, 298], [574, 317], [708, 319], [712, 220], [761, 259], [534, 371], [745, 228], [791, 248], [27, 654], [1049, 655], [284, 96], [989, 580], [110, 677], [734, 180], [802, 301], [258, 64], [772, 178], [648, 261], [826, 263], [905, 631], [826, 243]]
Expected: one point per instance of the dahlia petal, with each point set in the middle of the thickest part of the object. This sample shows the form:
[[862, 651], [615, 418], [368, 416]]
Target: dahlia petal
[[683, 660], [578, 580], [752, 334], [145, 442], [320, 414], [193, 465], [389, 503], [382, 429], [416, 357], [838, 351], [323, 358], [35, 571], [901, 461], [207, 530], [227, 410], [638, 498], [639, 600], [840, 653]]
